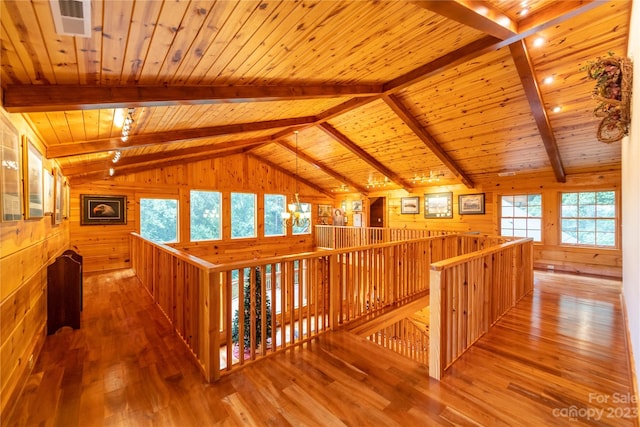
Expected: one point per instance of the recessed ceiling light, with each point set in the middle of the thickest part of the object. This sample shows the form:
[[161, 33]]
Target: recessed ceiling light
[[557, 109], [548, 80], [538, 42]]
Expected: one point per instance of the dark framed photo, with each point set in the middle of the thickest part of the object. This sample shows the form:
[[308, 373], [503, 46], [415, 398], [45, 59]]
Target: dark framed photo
[[438, 205], [10, 178], [471, 204], [101, 210], [33, 180], [324, 211], [410, 205], [356, 206]]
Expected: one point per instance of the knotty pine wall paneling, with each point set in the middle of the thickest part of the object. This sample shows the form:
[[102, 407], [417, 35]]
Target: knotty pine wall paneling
[[27, 247], [106, 247]]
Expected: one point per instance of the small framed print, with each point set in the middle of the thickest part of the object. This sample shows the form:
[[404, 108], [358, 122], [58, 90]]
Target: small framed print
[[438, 205], [58, 197], [410, 205], [10, 179], [48, 192], [103, 210], [356, 206], [471, 204], [33, 180]]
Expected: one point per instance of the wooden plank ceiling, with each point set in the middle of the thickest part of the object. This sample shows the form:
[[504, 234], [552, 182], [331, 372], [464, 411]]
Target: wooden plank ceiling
[[380, 91]]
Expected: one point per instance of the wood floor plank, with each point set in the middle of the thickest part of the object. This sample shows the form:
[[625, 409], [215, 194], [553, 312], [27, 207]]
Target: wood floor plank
[[561, 349]]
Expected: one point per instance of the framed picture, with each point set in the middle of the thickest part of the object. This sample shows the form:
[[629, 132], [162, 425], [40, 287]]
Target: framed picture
[[471, 204], [33, 180], [410, 205], [438, 205], [10, 184], [48, 192], [356, 205], [58, 197], [343, 206], [101, 210], [66, 202], [324, 211]]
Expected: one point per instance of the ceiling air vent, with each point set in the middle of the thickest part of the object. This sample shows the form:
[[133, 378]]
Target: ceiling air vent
[[72, 17]]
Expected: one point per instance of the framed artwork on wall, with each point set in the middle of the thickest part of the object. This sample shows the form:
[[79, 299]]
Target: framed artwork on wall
[[58, 197], [10, 184], [49, 188], [102, 210], [438, 205], [33, 180], [410, 205], [356, 205], [471, 204]]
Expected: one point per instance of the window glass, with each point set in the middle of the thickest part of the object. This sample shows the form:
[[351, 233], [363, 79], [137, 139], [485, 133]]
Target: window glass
[[159, 220], [521, 216], [206, 221], [589, 218], [243, 215], [274, 206]]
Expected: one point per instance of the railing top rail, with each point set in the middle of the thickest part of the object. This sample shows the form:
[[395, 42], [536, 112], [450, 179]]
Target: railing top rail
[[460, 259], [191, 259]]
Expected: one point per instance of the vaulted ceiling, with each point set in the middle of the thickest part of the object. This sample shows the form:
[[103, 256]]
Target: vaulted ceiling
[[377, 90]]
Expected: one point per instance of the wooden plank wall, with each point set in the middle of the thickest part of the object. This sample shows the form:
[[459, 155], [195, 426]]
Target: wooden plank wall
[[106, 247], [550, 252], [26, 249]]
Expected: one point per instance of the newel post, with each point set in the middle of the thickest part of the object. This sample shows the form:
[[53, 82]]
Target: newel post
[[211, 324], [435, 326]]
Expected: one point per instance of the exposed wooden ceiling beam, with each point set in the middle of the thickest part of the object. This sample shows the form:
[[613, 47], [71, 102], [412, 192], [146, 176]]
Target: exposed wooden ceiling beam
[[532, 90], [401, 110], [366, 157], [45, 98], [296, 177], [110, 144], [478, 15], [324, 168]]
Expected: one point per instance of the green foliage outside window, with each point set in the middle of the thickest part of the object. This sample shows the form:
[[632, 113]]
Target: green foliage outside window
[[159, 220], [205, 207], [243, 215], [274, 206]]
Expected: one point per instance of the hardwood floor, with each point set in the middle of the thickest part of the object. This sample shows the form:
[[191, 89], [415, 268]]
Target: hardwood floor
[[558, 358]]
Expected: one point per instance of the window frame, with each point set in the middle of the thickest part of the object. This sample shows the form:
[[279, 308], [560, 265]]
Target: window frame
[[220, 215], [264, 215], [174, 197], [255, 215], [616, 218], [541, 217]]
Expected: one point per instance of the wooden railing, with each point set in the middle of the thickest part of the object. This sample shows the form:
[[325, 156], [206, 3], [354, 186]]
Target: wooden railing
[[332, 237], [406, 338], [469, 293], [304, 294]]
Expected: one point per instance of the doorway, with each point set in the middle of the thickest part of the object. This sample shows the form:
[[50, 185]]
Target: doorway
[[376, 211]]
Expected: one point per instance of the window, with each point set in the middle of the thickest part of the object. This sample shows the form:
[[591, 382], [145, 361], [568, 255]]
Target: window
[[205, 215], [274, 206], [589, 218], [521, 216], [159, 220], [243, 215], [305, 229]]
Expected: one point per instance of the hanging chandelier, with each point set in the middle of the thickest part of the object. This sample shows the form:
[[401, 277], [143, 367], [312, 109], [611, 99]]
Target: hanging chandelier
[[296, 215]]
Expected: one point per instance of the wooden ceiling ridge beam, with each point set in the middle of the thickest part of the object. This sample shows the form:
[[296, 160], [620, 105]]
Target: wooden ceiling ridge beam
[[405, 115], [534, 96], [296, 177], [479, 16], [167, 137], [46, 98], [324, 168], [363, 155]]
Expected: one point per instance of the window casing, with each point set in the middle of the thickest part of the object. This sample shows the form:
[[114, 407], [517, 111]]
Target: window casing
[[588, 218], [159, 219], [243, 215], [205, 215], [521, 216]]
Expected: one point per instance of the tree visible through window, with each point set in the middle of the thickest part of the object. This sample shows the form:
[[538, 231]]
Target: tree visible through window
[[589, 218], [521, 216], [205, 215], [274, 206], [243, 215], [159, 220]]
